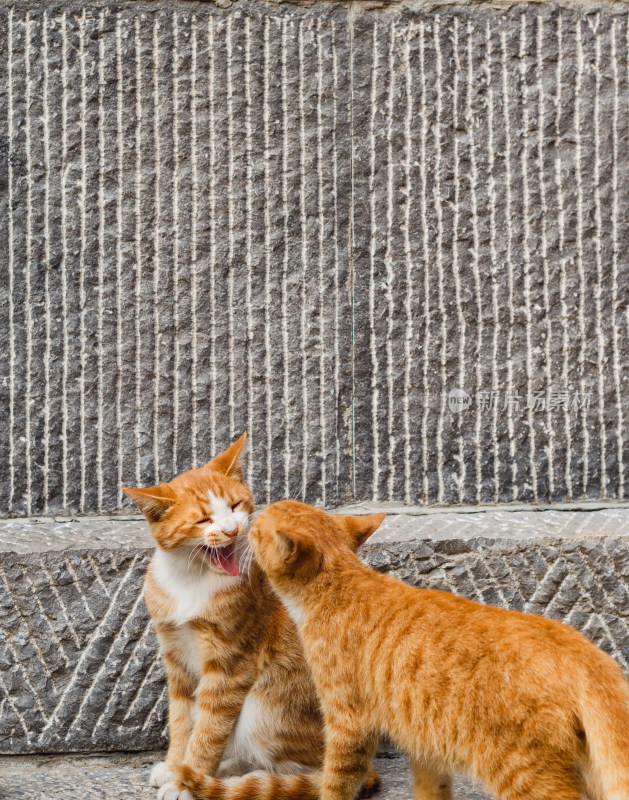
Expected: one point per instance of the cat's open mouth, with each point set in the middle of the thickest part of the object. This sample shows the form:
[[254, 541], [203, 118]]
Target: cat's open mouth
[[222, 558]]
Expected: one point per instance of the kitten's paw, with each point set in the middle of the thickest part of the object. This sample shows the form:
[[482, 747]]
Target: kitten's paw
[[171, 791], [162, 773]]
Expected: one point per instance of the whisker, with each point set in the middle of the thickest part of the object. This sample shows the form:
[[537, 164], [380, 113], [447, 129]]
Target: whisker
[[195, 551], [242, 549], [214, 551], [247, 560]]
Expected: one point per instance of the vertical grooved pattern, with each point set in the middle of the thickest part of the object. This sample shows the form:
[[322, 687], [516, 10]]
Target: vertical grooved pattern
[[490, 261], [177, 260], [180, 188]]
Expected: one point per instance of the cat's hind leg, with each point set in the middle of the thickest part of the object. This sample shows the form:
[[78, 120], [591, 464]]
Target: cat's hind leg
[[349, 751], [429, 784]]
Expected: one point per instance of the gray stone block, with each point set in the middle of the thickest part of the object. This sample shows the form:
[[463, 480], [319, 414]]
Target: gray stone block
[[79, 666], [489, 209], [583, 581], [313, 223], [176, 209]]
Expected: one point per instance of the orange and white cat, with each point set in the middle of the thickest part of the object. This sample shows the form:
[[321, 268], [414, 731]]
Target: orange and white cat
[[240, 693], [525, 704]]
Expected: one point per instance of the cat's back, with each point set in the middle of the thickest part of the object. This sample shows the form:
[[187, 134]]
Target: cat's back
[[455, 645], [400, 627]]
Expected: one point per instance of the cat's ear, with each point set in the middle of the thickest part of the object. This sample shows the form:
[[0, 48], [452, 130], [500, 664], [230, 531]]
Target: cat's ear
[[299, 556], [230, 461], [359, 529], [287, 547], [153, 502]]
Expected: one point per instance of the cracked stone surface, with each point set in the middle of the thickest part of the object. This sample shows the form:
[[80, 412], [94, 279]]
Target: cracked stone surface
[[125, 777], [177, 183], [79, 667]]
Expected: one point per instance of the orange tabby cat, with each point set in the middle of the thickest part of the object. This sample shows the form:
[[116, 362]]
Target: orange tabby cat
[[240, 693], [525, 704]]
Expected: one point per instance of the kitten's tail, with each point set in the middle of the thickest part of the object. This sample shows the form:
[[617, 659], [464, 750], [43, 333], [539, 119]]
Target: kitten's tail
[[259, 785], [604, 711], [264, 785]]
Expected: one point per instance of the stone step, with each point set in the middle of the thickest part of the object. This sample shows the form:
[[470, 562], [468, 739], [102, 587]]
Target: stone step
[[125, 777], [79, 668]]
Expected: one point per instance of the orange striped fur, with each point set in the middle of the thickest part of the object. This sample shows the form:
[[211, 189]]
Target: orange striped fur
[[241, 696], [525, 704], [265, 786]]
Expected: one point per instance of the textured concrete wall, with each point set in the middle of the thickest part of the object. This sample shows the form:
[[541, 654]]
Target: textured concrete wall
[[490, 218], [79, 668], [177, 265], [313, 224]]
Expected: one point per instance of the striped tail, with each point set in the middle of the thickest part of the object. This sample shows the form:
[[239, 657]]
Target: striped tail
[[264, 785], [254, 786]]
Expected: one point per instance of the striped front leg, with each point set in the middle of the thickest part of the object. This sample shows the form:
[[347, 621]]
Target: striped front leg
[[349, 751], [220, 697], [181, 686]]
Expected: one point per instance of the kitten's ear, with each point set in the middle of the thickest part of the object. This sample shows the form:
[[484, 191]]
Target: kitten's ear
[[287, 547], [153, 502], [359, 529], [300, 557], [230, 461]]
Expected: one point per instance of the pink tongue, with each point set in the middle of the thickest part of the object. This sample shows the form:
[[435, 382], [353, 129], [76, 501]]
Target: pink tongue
[[225, 560]]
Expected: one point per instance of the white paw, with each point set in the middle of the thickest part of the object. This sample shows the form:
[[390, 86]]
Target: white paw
[[161, 773], [169, 791]]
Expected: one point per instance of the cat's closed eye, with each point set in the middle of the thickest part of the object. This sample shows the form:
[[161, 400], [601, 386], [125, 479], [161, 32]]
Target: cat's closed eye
[[236, 505]]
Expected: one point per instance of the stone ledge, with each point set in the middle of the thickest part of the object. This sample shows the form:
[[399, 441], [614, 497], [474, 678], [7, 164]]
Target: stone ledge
[[79, 669], [374, 5], [49, 535], [40, 535]]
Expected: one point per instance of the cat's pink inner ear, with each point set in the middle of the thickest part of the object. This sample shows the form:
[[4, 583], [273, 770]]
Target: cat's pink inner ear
[[153, 502], [230, 461], [359, 529]]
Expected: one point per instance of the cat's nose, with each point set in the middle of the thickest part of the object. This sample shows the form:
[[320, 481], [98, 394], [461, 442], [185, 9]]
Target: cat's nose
[[230, 528]]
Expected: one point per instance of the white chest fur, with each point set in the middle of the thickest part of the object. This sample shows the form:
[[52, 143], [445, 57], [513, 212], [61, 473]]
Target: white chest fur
[[295, 609], [190, 587], [189, 650]]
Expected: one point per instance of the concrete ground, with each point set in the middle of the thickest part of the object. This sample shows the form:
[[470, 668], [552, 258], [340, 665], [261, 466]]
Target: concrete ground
[[123, 776]]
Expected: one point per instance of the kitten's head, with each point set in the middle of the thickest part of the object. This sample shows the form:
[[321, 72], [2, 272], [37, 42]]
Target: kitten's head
[[291, 540], [205, 509]]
